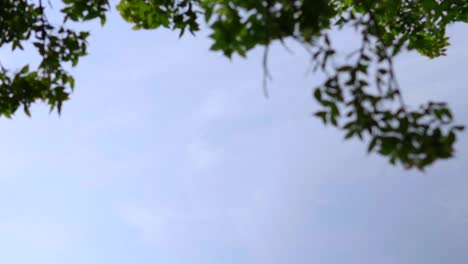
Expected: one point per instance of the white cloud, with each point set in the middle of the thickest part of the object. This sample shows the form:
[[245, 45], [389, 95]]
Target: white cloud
[[35, 238], [151, 225], [201, 155]]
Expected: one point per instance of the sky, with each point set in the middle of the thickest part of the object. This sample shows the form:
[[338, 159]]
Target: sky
[[169, 153]]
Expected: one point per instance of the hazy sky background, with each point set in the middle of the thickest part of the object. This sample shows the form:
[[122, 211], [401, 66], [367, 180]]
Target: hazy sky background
[[169, 153]]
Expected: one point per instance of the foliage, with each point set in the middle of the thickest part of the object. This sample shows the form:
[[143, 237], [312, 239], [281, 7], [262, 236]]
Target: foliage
[[23, 21], [360, 94]]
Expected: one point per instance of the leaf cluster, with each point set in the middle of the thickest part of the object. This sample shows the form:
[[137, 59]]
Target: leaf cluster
[[23, 21]]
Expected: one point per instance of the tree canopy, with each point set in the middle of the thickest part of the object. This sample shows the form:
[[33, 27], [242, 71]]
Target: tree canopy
[[360, 94]]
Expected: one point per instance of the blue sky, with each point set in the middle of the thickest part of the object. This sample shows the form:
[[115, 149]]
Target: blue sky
[[169, 153]]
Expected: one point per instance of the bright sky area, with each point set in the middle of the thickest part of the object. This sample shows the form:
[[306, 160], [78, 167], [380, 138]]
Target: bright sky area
[[169, 153]]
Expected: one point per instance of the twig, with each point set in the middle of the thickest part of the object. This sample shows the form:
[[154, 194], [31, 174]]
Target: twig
[[266, 72]]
